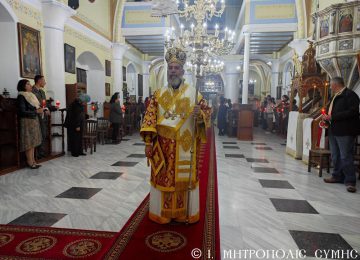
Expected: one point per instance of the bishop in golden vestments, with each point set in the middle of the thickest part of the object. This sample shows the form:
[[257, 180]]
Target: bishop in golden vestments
[[167, 130]]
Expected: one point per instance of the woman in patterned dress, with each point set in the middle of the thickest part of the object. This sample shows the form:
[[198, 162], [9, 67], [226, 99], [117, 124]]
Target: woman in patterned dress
[[30, 132]]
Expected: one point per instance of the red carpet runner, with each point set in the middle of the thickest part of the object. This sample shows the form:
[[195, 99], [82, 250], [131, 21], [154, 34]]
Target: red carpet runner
[[172, 241], [141, 238], [53, 243]]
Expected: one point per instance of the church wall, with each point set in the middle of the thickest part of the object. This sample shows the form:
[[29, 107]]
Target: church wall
[[32, 17], [9, 68], [83, 43], [96, 16]]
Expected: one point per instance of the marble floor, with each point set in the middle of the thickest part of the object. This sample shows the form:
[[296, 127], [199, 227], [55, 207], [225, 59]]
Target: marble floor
[[268, 200]]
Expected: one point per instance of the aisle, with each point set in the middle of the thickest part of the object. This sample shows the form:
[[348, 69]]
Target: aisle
[[269, 201]]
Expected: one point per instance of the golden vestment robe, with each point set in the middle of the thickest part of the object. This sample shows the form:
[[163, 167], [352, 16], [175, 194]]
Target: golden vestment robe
[[168, 125]]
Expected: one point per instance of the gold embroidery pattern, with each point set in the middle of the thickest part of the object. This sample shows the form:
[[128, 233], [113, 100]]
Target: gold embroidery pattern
[[35, 245], [149, 122], [182, 106], [82, 248], [186, 140], [129, 230], [169, 97], [5, 238], [55, 231], [166, 241], [166, 177], [166, 100], [166, 132]]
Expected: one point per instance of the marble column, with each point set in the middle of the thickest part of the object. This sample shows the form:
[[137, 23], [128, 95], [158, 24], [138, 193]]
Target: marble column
[[275, 66], [146, 79], [232, 76], [246, 69], [118, 53], [55, 14]]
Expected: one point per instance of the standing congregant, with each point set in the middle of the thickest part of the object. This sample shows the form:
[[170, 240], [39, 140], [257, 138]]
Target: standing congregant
[[167, 130], [38, 90], [344, 126]]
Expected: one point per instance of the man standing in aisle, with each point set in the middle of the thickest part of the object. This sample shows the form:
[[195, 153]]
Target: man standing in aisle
[[43, 118], [167, 130], [344, 125]]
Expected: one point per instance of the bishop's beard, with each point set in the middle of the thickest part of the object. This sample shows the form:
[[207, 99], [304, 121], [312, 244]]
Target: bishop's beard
[[175, 82]]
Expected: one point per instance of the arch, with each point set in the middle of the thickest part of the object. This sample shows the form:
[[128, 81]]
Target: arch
[[6, 13], [131, 68], [118, 20], [9, 71], [132, 79], [95, 75], [256, 74], [89, 59], [287, 78]]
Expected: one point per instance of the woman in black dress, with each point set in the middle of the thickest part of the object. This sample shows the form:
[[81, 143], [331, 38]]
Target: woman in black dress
[[116, 116]]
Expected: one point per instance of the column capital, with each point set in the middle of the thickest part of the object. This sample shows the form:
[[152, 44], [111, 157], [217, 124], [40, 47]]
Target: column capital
[[55, 14], [119, 50], [275, 64], [300, 46]]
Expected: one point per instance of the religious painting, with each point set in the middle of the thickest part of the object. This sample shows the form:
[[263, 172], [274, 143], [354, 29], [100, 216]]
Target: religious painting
[[124, 73], [345, 23], [107, 89], [108, 68], [30, 52], [69, 54], [324, 28]]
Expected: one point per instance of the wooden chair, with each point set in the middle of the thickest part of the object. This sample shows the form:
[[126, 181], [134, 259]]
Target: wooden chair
[[319, 157], [90, 135], [102, 129]]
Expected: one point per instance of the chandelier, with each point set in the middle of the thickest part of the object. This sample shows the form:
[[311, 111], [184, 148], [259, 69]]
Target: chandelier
[[213, 66], [202, 47]]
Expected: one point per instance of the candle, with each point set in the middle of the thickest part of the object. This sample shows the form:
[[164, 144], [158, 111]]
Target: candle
[[43, 103], [182, 30], [92, 107], [57, 104], [323, 111]]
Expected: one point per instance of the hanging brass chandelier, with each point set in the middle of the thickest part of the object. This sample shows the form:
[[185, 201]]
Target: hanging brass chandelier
[[213, 66], [201, 46]]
